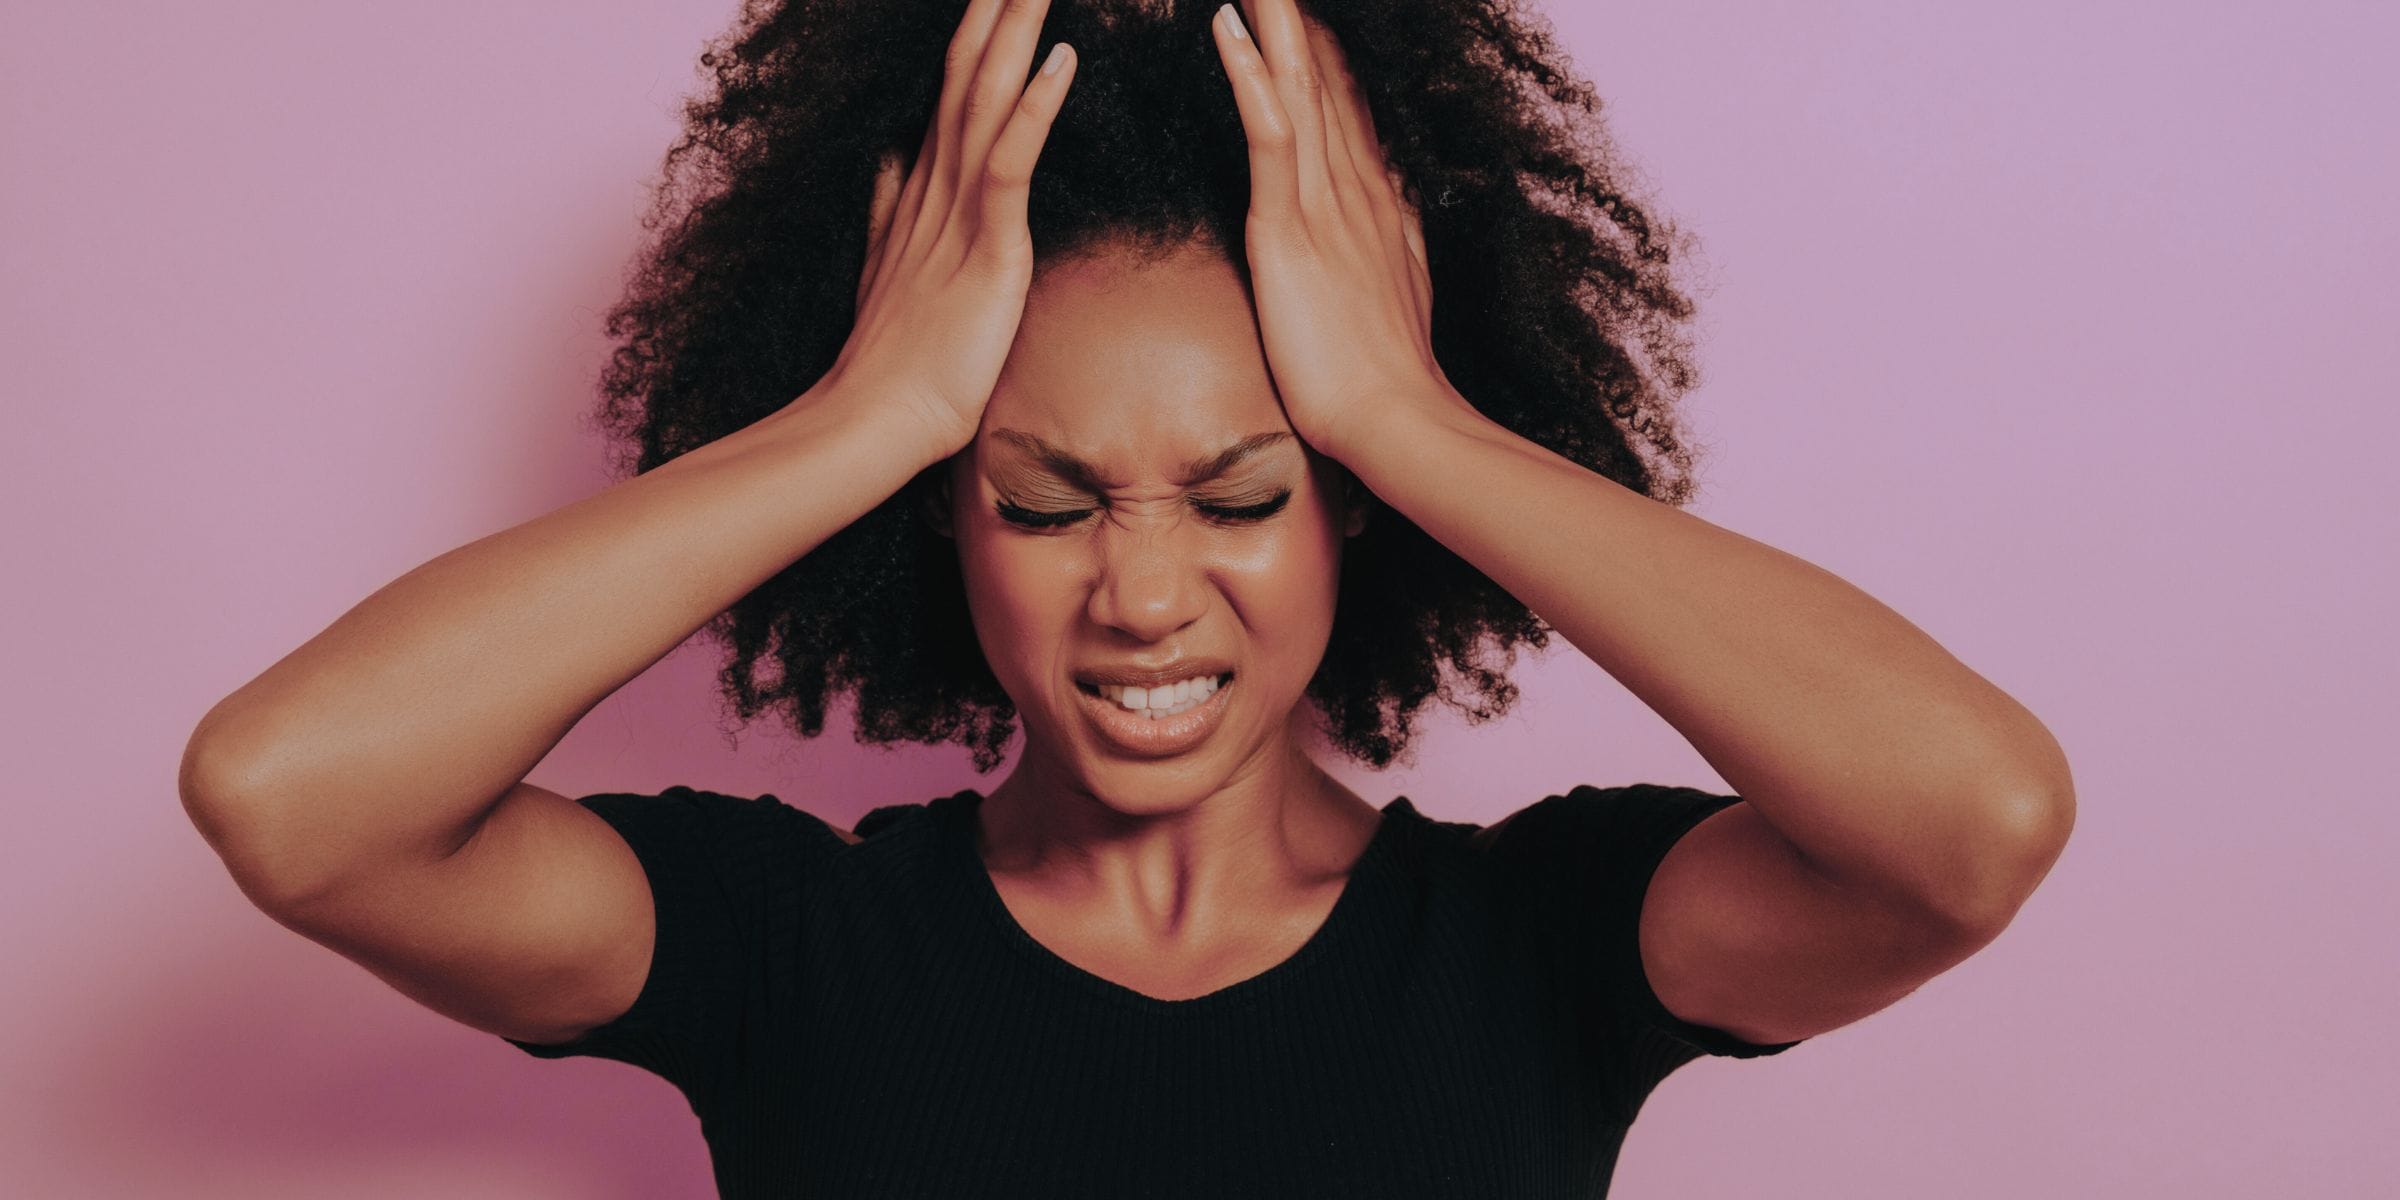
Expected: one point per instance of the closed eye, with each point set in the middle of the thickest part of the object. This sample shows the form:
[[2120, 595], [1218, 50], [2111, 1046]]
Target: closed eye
[[1038, 520], [1226, 514]]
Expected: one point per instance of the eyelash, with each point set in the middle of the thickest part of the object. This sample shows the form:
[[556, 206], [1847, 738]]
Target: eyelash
[[1244, 514]]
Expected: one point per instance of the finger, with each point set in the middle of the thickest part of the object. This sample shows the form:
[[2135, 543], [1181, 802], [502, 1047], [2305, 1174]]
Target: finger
[[1412, 226], [1420, 281], [1344, 84], [911, 205], [1285, 46], [1000, 81], [959, 63], [1346, 113], [1341, 153], [880, 208], [1274, 170], [920, 172], [1363, 176], [907, 222], [1008, 171]]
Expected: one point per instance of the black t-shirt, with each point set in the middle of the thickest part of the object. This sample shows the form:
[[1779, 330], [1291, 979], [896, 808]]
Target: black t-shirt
[[863, 1021]]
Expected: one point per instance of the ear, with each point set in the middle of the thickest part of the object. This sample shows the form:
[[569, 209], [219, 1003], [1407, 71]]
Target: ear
[[933, 499]]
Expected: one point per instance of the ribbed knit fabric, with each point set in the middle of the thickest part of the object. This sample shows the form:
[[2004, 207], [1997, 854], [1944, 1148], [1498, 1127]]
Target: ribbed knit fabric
[[856, 1022]]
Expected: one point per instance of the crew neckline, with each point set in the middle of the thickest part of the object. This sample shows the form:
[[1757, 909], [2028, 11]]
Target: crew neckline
[[1369, 879]]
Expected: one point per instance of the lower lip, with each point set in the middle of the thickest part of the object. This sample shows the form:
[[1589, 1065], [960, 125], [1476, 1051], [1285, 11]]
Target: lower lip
[[1136, 734]]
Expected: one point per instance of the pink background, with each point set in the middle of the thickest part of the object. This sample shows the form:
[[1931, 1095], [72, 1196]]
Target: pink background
[[2066, 329]]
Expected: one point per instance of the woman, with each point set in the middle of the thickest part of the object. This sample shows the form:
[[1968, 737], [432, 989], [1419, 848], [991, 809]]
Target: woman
[[1213, 454]]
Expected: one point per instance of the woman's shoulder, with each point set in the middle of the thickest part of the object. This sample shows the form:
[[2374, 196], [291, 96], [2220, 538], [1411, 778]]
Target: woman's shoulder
[[704, 817], [769, 814], [1585, 809], [908, 820]]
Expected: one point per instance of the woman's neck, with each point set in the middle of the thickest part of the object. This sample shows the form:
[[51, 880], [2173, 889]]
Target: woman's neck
[[1278, 832]]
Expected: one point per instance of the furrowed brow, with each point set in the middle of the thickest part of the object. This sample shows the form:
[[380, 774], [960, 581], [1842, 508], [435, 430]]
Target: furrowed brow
[[1082, 474]]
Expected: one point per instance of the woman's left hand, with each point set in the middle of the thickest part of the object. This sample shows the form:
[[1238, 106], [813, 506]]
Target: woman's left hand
[[1337, 259]]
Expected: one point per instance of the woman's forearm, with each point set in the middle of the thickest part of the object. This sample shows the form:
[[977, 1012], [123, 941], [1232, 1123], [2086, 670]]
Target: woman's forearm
[[393, 730], [1882, 758]]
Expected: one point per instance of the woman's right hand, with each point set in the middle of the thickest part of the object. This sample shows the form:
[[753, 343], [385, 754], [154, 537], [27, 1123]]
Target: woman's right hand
[[948, 255]]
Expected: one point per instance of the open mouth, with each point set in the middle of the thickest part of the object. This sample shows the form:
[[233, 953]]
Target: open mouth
[[1161, 702], [1157, 722]]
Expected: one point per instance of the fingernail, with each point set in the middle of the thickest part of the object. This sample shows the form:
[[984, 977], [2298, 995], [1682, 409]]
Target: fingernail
[[1058, 54], [1233, 21]]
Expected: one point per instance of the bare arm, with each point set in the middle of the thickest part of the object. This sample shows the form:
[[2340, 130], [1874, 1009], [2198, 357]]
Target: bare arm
[[366, 791], [1898, 807], [393, 732]]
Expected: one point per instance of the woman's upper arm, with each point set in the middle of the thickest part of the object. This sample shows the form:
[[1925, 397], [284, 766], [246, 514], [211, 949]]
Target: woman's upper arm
[[1739, 933], [540, 926]]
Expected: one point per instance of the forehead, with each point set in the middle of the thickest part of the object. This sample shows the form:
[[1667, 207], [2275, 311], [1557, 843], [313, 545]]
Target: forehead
[[1137, 366]]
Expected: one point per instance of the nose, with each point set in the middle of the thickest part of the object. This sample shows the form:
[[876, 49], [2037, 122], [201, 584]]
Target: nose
[[1151, 584]]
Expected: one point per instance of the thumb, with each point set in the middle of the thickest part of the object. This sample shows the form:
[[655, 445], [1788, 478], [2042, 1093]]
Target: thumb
[[879, 217]]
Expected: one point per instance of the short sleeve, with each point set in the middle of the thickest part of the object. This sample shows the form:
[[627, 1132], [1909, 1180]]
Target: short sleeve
[[724, 875], [1583, 862]]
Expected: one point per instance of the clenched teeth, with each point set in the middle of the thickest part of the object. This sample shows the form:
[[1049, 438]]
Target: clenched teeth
[[1164, 700]]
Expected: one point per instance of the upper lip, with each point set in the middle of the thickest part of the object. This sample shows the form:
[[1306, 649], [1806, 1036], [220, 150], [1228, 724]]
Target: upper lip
[[1134, 675]]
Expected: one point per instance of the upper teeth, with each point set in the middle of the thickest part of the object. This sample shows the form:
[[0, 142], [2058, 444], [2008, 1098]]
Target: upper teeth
[[1165, 695]]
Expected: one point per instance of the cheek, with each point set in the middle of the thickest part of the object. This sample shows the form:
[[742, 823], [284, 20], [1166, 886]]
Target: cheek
[[1024, 597], [1282, 586]]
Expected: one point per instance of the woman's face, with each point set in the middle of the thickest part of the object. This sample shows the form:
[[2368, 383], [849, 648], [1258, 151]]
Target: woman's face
[[1135, 498]]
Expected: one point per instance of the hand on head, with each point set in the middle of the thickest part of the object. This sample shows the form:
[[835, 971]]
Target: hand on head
[[948, 257], [1343, 296], [1336, 253]]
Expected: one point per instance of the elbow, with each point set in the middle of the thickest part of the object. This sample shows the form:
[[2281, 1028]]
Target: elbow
[[2021, 827], [227, 800], [209, 778], [220, 775], [2028, 833]]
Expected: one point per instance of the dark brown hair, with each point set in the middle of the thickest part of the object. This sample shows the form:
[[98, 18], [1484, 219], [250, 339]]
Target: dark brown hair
[[1556, 314]]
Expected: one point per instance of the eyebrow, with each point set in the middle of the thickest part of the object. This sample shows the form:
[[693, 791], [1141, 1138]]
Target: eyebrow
[[1076, 471]]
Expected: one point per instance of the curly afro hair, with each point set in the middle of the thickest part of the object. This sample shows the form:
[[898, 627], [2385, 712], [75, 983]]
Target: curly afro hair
[[1556, 316]]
